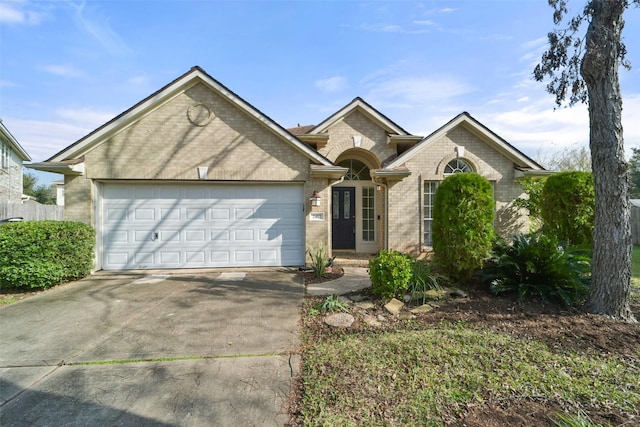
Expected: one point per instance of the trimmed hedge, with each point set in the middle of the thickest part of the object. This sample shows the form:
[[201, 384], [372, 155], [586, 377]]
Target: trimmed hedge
[[41, 254], [568, 207], [463, 230]]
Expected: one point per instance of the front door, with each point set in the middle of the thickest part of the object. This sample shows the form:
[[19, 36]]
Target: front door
[[344, 218]]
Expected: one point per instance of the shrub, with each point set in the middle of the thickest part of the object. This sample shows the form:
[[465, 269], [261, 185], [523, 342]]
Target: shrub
[[40, 254], [463, 224], [568, 207], [533, 201], [390, 273], [536, 265]]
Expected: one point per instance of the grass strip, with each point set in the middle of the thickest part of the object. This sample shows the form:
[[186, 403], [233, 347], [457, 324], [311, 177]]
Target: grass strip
[[169, 359]]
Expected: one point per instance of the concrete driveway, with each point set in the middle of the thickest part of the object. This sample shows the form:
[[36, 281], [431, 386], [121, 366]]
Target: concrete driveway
[[173, 348]]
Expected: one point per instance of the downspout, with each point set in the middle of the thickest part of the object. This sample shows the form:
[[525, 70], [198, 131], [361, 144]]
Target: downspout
[[386, 211]]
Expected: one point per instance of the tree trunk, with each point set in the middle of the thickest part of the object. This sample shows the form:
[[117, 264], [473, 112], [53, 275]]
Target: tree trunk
[[609, 293]]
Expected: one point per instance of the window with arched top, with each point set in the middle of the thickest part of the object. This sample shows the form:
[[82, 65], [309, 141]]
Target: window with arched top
[[358, 171], [457, 166]]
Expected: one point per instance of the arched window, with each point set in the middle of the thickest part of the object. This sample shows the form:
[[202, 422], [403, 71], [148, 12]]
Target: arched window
[[358, 171], [457, 166]]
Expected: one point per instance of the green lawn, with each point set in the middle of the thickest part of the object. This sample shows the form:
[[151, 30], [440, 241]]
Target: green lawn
[[428, 374]]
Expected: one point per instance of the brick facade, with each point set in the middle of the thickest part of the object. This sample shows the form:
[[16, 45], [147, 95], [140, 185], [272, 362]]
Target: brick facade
[[202, 127]]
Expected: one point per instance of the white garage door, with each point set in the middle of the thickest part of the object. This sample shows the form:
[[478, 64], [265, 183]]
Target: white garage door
[[191, 226]]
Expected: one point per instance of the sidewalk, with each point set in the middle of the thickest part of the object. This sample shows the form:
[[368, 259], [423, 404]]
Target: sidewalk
[[354, 279]]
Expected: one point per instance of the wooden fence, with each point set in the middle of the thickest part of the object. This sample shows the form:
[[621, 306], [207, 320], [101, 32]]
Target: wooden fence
[[31, 211], [635, 224]]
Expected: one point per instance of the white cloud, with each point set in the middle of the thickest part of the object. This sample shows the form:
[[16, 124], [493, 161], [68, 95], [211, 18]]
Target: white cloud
[[332, 84], [44, 138], [85, 117], [63, 70], [11, 13], [426, 22], [411, 90], [100, 29]]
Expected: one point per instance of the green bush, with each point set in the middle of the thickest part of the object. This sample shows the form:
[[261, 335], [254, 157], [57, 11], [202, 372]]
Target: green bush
[[463, 225], [536, 265], [568, 207], [40, 254], [390, 273]]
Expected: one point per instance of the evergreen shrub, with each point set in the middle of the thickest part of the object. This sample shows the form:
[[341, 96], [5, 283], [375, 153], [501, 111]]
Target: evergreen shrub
[[41, 254]]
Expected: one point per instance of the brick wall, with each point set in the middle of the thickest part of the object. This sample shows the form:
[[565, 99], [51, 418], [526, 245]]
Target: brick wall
[[405, 210], [167, 145]]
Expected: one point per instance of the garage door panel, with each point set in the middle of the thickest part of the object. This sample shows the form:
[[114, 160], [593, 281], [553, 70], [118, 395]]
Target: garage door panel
[[203, 225]]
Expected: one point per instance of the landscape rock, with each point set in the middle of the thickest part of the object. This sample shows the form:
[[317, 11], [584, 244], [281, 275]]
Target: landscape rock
[[405, 315], [339, 320], [365, 305], [381, 318], [357, 297], [371, 321], [424, 308], [394, 306], [459, 293]]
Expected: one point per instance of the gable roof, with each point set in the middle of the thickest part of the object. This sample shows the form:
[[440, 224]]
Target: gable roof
[[360, 104], [12, 142], [474, 126], [162, 96]]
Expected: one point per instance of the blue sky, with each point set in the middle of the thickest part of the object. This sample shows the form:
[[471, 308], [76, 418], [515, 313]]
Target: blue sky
[[67, 67]]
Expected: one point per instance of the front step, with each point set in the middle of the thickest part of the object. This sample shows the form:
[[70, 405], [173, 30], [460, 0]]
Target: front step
[[351, 259]]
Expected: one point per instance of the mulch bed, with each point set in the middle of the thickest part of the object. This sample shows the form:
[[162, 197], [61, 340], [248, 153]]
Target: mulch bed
[[572, 329]]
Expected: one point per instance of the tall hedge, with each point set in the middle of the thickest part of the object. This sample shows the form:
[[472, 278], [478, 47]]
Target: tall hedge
[[463, 231], [568, 207], [40, 254]]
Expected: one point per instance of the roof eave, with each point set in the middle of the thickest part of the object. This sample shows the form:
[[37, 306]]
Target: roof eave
[[76, 169], [331, 172], [194, 76]]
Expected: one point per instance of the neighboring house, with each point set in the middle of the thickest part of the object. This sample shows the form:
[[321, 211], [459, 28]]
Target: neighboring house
[[194, 176], [11, 157], [59, 192]]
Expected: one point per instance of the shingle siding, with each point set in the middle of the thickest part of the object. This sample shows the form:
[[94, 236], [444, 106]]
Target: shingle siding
[[11, 177]]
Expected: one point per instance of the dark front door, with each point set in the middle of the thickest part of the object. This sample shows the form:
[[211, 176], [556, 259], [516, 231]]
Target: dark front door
[[344, 218]]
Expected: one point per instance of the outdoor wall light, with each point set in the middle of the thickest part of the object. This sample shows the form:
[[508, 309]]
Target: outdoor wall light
[[315, 198]]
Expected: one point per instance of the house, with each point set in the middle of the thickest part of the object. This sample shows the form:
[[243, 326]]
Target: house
[[11, 157], [195, 176]]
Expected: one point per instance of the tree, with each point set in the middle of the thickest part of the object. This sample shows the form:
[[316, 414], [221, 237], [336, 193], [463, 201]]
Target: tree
[[634, 173], [45, 194], [569, 159], [583, 67]]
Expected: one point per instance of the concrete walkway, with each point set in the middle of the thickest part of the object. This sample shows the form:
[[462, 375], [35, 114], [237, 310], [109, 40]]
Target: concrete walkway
[[354, 279], [172, 349]]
